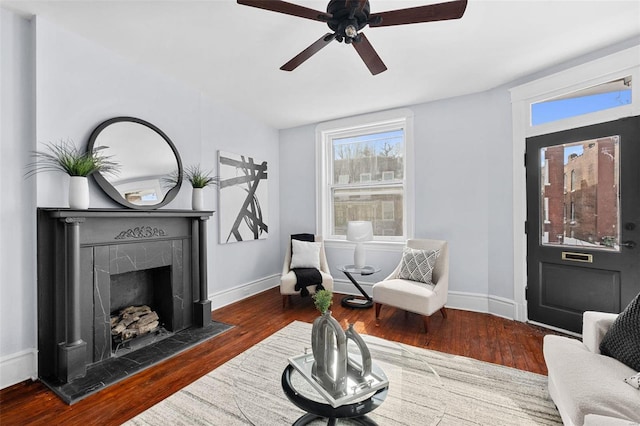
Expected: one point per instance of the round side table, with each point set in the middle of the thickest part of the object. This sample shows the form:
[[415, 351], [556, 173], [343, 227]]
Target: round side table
[[355, 301]]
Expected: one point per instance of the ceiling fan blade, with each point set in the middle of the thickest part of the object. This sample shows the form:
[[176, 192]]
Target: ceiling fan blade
[[414, 15], [308, 52], [369, 55], [287, 8]]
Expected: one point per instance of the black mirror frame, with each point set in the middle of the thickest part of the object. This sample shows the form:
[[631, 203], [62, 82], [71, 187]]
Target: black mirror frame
[[110, 190]]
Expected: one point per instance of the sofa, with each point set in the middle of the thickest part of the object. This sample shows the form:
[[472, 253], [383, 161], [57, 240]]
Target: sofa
[[587, 387]]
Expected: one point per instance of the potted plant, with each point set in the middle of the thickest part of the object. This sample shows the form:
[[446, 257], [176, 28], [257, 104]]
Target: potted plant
[[199, 180], [64, 156], [323, 299]]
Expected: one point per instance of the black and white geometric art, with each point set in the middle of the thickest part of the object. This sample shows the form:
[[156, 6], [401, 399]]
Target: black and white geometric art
[[243, 201]]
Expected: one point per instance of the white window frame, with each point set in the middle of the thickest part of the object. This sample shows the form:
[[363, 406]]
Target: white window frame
[[599, 71], [352, 126]]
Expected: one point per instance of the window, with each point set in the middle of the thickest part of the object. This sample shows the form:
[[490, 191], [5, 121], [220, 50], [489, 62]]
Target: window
[[545, 172], [388, 210], [364, 177], [603, 96], [546, 210]]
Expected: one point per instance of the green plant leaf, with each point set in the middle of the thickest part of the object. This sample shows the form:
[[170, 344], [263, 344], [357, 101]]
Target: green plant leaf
[[64, 156], [200, 178]]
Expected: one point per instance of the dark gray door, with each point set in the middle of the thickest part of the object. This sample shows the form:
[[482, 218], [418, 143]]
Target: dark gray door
[[583, 222]]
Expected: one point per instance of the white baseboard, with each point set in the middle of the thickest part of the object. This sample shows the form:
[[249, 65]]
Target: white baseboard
[[235, 294], [484, 303], [502, 307], [475, 302], [18, 367]]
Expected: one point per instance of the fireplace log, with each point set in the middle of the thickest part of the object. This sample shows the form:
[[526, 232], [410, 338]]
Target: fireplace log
[[133, 321], [134, 309], [146, 328], [146, 319]]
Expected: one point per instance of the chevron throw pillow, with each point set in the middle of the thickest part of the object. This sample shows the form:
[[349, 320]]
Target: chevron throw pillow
[[622, 340], [417, 265]]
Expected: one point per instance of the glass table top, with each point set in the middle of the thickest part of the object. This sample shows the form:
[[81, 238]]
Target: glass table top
[[259, 395], [365, 270]]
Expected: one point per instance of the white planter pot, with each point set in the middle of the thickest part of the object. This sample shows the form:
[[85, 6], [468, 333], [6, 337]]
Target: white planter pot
[[78, 192], [197, 199]]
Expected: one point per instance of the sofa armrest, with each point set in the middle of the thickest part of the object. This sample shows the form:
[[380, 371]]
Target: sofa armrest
[[594, 327]]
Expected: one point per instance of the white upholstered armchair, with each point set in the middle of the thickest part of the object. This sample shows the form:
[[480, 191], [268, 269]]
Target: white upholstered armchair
[[414, 296], [288, 280]]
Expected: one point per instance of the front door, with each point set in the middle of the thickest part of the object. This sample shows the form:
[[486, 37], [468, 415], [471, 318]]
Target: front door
[[583, 222]]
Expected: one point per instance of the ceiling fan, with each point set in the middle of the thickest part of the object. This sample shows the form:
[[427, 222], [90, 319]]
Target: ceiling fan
[[346, 18]]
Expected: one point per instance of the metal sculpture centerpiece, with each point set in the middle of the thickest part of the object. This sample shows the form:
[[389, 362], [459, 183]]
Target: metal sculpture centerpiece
[[339, 376]]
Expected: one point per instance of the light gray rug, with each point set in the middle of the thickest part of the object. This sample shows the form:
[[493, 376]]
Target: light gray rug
[[426, 388]]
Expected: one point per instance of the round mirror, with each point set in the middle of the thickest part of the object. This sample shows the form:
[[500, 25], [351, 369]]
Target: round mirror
[[150, 172]]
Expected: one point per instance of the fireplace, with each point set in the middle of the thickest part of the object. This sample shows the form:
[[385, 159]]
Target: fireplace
[[93, 263]]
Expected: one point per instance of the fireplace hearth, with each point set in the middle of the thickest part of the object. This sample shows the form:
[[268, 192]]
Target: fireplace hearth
[[94, 263]]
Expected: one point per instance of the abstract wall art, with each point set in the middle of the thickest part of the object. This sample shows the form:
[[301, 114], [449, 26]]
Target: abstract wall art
[[243, 200]]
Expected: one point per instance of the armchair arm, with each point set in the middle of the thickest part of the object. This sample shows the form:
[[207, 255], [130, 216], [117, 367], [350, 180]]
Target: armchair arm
[[594, 327]]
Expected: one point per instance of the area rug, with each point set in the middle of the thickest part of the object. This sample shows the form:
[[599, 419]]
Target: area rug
[[425, 388]]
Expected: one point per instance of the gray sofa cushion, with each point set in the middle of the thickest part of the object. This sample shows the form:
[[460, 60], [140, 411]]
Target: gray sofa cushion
[[622, 341]]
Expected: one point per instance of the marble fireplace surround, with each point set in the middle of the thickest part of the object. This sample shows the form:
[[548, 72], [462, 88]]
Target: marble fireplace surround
[[78, 253]]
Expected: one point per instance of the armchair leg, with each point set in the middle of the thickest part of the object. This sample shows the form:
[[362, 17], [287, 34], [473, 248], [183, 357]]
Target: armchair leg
[[443, 311], [286, 299], [377, 307]]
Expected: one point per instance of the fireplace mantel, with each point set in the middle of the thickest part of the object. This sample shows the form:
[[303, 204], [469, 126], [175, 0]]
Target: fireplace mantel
[[77, 252]]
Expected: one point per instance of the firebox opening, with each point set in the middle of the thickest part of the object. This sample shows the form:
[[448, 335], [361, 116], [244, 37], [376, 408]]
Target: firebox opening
[[148, 287]]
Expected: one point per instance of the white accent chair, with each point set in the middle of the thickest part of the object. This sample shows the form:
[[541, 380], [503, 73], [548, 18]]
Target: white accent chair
[[288, 280], [412, 296]]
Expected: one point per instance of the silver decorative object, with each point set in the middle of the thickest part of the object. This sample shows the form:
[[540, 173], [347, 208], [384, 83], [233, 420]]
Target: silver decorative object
[[331, 359]]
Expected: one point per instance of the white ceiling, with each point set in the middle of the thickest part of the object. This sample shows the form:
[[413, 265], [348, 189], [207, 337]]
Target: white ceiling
[[233, 53]]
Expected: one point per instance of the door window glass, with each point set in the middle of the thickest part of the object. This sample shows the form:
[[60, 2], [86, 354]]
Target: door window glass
[[592, 219]]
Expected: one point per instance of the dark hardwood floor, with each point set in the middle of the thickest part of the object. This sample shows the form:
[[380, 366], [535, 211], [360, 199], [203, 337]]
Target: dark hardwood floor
[[480, 336]]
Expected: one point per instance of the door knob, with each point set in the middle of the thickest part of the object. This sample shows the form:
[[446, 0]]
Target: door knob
[[629, 244]]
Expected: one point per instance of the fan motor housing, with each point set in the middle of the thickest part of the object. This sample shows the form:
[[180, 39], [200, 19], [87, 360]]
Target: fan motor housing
[[341, 12]]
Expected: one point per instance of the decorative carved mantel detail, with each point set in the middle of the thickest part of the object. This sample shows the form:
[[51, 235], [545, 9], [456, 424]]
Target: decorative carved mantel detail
[[141, 232]]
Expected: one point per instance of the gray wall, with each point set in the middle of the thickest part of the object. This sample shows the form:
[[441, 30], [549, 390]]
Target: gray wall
[[463, 171], [80, 84]]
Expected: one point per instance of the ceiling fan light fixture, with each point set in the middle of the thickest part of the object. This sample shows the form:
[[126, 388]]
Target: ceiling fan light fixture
[[351, 31]]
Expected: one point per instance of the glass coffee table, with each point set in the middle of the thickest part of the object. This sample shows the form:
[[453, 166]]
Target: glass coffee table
[[265, 379]]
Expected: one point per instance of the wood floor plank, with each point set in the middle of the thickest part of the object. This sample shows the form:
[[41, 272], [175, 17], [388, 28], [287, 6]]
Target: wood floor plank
[[481, 336]]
